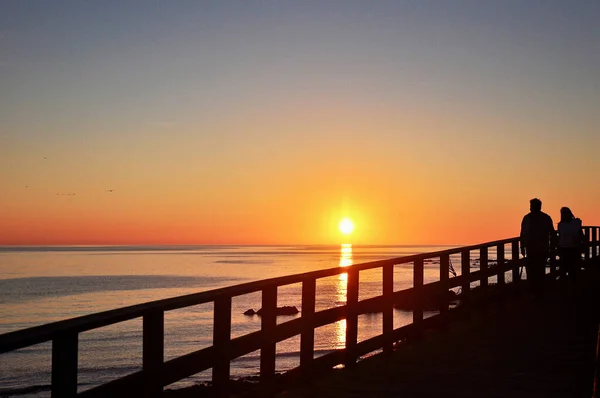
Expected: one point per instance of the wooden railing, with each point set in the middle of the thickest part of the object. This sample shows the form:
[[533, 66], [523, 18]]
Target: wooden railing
[[157, 373]]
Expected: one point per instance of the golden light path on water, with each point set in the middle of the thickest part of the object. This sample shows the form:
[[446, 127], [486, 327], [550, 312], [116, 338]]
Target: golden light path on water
[[342, 287]]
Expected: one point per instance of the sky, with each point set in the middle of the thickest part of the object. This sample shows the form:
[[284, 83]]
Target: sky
[[266, 122]]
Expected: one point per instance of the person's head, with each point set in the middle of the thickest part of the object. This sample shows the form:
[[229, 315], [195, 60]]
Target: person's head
[[566, 214], [535, 205]]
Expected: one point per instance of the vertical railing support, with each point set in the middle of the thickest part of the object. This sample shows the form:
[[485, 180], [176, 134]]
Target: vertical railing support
[[444, 284], [516, 276], [500, 264], [221, 338], [153, 352], [307, 338], [597, 248], [553, 254], [268, 322], [352, 317], [483, 267], [64, 366], [418, 271], [388, 307], [594, 243], [586, 245], [465, 271], [596, 385]]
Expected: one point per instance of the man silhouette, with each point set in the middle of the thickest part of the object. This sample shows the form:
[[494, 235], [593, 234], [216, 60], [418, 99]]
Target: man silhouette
[[537, 241]]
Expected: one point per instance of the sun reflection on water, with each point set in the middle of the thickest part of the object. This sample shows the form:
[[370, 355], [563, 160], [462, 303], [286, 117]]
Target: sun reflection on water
[[341, 290], [345, 255]]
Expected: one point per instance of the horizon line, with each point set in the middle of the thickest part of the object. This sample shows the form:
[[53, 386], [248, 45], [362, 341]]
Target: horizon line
[[3, 245]]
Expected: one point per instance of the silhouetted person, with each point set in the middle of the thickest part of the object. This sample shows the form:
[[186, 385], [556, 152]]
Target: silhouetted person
[[537, 241], [570, 246]]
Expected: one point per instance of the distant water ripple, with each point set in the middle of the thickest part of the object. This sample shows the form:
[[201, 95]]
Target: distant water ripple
[[33, 288]]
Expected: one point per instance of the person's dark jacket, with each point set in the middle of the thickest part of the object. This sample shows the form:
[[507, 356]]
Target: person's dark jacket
[[537, 234]]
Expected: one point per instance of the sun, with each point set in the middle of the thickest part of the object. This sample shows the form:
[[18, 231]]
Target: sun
[[346, 226]]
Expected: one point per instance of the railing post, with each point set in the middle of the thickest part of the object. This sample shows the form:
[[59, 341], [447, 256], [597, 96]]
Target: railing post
[[444, 284], [307, 338], [352, 317], [587, 243], [516, 276], [64, 366], [418, 295], [596, 385], [553, 263], [594, 243], [465, 270], [268, 324], [221, 339], [388, 307], [596, 248], [153, 352], [483, 267], [500, 264], [553, 254]]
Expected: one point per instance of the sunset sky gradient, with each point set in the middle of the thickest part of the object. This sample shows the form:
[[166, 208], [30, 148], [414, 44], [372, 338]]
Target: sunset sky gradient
[[266, 122]]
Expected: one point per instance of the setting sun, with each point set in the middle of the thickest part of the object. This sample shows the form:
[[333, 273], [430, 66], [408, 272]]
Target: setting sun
[[346, 226]]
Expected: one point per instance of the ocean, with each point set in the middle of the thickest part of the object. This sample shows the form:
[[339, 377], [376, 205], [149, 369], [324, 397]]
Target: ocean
[[39, 285]]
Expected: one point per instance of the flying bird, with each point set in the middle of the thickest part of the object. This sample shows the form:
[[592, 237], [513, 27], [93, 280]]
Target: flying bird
[[110, 190]]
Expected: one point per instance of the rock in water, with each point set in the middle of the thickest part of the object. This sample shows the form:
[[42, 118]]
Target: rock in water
[[285, 310]]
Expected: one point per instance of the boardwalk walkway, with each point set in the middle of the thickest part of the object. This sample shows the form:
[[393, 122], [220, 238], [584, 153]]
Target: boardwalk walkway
[[510, 348]]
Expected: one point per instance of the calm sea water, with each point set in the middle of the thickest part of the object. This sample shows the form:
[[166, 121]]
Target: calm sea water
[[39, 285]]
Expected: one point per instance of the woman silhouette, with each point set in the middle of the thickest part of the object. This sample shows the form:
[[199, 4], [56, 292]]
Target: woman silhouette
[[570, 244]]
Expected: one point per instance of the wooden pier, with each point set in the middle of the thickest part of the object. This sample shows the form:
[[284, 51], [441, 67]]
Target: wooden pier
[[515, 347], [157, 373]]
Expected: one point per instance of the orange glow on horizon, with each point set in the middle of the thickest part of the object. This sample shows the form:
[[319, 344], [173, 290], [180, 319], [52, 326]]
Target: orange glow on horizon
[[281, 213]]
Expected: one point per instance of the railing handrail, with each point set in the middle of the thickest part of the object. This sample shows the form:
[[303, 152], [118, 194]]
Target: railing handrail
[[43, 333], [39, 334]]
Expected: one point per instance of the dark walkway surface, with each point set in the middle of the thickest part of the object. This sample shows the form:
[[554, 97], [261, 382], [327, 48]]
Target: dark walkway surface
[[515, 348]]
